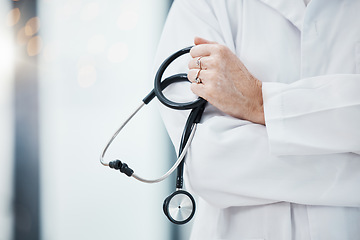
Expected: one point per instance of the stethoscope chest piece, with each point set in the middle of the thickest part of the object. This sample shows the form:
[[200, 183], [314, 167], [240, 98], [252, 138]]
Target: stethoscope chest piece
[[179, 207]]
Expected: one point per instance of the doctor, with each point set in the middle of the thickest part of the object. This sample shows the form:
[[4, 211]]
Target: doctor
[[277, 153]]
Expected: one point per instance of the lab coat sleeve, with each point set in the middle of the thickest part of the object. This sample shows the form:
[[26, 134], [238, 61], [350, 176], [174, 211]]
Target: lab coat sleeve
[[317, 115], [186, 20], [228, 163]]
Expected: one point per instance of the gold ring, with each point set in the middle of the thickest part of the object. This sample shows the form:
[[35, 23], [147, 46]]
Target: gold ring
[[197, 79], [198, 62]]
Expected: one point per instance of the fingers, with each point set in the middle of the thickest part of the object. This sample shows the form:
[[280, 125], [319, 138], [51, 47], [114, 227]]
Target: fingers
[[199, 40], [200, 50], [202, 47], [199, 63], [198, 74], [201, 66], [193, 74], [197, 86]]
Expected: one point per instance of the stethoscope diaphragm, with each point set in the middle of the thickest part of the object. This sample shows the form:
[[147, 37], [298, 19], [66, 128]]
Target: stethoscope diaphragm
[[179, 207]]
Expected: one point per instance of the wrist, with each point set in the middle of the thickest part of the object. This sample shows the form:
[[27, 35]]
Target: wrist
[[260, 115]]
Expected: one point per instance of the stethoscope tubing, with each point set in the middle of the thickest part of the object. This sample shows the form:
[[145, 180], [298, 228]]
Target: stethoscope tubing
[[159, 86], [176, 164], [117, 133], [171, 170], [145, 101], [175, 205]]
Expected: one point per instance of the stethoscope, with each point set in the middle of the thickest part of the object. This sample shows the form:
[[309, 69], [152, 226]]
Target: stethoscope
[[179, 207]]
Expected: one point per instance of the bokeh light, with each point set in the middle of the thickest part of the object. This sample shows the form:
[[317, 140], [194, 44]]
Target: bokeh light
[[22, 38], [32, 26], [34, 46], [13, 17]]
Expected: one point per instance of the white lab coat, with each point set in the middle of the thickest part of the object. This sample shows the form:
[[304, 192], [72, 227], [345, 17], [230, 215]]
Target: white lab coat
[[298, 177]]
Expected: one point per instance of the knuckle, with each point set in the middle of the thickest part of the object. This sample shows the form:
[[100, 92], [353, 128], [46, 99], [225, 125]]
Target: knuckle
[[217, 48], [212, 63], [209, 89], [221, 49]]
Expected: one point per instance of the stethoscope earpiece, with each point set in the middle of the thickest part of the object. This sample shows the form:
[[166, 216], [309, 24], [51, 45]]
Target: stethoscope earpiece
[[179, 207]]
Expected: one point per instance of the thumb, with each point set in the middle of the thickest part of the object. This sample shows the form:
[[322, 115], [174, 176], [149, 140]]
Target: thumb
[[199, 40]]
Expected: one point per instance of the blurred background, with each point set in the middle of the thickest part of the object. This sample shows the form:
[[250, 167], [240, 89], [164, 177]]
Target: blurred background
[[70, 72]]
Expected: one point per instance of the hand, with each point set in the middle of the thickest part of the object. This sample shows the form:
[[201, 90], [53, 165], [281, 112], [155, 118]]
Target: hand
[[225, 81]]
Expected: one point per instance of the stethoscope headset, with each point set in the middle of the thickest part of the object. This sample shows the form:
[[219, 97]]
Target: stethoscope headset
[[179, 207]]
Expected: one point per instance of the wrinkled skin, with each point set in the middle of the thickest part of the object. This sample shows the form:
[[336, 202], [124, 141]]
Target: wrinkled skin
[[225, 81]]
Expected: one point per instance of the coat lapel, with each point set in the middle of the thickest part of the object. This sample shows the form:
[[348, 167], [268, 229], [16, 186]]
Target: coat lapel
[[293, 10]]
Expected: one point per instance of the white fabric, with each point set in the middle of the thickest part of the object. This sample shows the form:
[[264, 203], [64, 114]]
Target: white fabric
[[306, 2], [251, 179]]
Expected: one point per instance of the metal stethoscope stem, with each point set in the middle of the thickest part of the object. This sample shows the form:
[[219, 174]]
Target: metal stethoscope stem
[[171, 170], [117, 133]]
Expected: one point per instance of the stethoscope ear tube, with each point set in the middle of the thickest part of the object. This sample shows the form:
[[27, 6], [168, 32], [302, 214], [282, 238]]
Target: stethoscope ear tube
[[191, 122], [181, 77], [157, 84]]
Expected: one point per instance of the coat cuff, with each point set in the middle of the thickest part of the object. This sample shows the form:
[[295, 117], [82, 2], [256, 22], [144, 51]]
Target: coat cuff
[[274, 115]]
